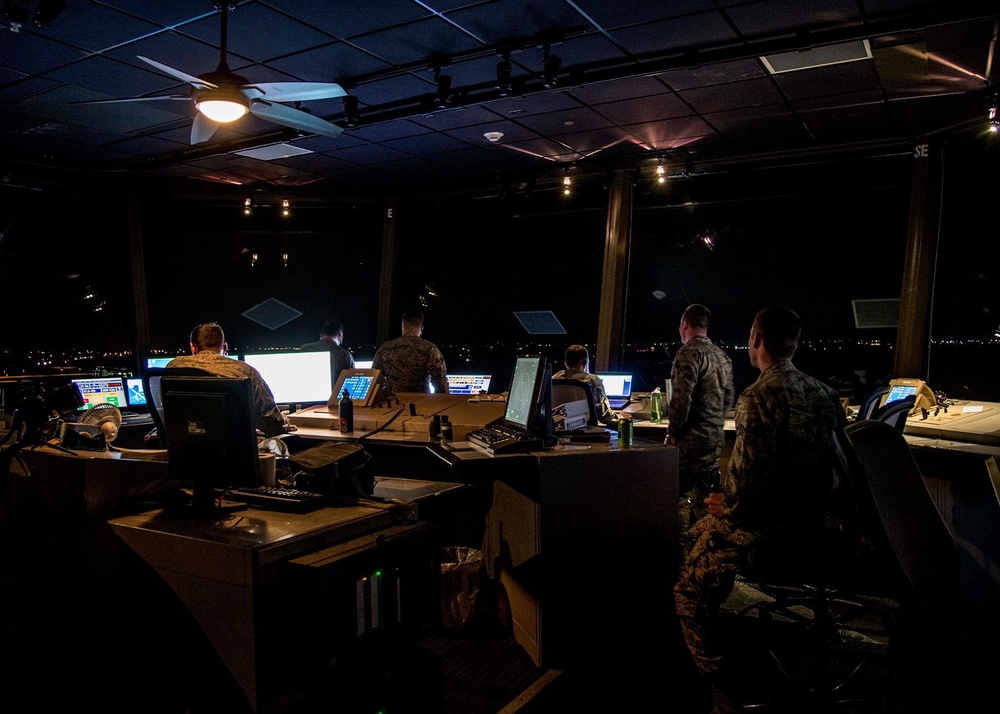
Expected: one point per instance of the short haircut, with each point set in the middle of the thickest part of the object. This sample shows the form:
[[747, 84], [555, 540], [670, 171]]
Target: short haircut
[[208, 336], [332, 328], [576, 356], [414, 318], [779, 329], [697, 315]]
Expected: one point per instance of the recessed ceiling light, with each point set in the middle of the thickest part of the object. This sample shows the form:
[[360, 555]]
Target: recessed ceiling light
[[569, 122]]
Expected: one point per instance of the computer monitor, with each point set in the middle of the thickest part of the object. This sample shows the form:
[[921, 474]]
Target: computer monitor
[[529, 400], [295, 378], [363, 364], [903, 387], [164, 361], [469, 383], [135, 392], [100, 390], [365, 386], [211, 434]]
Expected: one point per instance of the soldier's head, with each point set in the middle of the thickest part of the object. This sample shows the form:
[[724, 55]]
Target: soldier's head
[[208, 337], [576, 357], [333, 330], [413, 322], [694, 322], [774, 336]]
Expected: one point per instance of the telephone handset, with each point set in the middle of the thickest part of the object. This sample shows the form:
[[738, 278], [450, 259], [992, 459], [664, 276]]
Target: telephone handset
[[904, 387]]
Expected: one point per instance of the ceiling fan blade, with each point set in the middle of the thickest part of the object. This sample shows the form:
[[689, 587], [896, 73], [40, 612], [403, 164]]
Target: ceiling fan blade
[[183, 76], [135, 99], [297, 91], [202, 129], [295, 118]]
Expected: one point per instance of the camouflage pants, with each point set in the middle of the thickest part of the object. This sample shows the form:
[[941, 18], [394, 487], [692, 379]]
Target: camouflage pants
[[704, 582], [691, 507]]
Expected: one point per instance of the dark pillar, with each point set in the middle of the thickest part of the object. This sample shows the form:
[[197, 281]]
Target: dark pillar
[[614, 285], [913, 336]]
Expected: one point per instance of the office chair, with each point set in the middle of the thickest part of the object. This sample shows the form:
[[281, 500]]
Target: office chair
[[151, 386], [915, 550], [571, 390], [871, 403], [894, 413]]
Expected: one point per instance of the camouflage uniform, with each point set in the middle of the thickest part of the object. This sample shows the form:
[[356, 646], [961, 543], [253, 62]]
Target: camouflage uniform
[[408, 362], [702, 394], [605, 414], [270, 420], [780, 476]]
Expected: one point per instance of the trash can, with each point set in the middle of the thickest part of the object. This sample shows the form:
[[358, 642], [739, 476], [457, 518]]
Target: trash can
[[462, 570]]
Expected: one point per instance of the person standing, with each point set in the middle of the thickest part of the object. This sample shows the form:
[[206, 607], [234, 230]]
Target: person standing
[[208, 352], [409, 363], [577, 361], [331, 335], [775, 489], [702, 394]]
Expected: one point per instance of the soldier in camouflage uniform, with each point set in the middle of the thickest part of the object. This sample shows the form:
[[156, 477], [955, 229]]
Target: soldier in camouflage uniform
[[775, 489], [703, 393], [410, 363], [208, 352], [577, 361]]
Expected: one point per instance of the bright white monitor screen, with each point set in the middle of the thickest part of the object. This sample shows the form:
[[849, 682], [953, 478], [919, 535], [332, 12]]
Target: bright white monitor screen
[[363, 364], [616, 385], [98, 390], [469, 383], [294, 377]]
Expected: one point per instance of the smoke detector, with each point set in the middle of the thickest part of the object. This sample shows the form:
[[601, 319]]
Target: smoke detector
[[494, 136]]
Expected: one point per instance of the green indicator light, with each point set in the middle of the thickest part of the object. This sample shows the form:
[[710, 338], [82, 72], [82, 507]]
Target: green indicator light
[[377, 574]]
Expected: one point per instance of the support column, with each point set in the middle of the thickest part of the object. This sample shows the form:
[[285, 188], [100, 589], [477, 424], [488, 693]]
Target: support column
[[913, 335], [614, 284]]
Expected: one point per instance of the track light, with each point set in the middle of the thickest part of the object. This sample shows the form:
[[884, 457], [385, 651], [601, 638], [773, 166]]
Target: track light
[[567, 184], [661, 173], [253, 260], [248, 207], [284, 259], [505, 85], [994, 119], [550, 69], [351, 109], [286, 212], [443, 82]]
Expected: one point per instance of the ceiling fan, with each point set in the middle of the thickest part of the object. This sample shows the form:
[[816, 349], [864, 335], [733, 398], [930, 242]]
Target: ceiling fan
[[223, 96]]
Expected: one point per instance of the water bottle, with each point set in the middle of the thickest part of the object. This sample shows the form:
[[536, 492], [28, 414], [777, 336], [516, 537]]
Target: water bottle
[[345, 410], [656, 406]]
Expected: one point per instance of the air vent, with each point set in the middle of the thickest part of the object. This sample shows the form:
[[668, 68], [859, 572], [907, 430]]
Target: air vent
[[876, 313], [273, 151], [817, 57]]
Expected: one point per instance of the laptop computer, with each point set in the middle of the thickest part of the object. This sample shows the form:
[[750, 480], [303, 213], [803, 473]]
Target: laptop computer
[[618, 387]]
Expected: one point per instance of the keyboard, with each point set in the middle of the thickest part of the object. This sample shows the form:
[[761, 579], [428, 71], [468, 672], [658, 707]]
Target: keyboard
[[277, 498], [498, 440]]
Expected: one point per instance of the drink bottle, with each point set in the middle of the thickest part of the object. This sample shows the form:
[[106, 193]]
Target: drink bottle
[[345, 410]]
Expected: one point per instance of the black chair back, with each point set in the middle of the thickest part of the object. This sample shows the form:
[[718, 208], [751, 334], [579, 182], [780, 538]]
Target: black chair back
[[894, 413], [154, 394], [571, 390], [871, 403], [888, 484]]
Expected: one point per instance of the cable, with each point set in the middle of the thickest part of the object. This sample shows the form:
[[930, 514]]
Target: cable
[[384, 426]]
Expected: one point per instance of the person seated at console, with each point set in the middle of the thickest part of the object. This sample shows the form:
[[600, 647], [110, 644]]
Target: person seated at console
[[577, 361], [208, 352]]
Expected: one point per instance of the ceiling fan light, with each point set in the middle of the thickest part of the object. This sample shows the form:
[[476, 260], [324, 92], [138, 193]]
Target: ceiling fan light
[[222, 110]]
